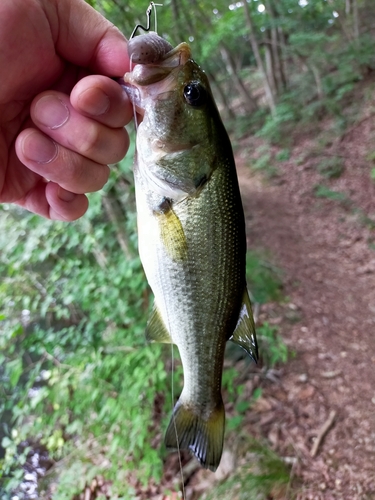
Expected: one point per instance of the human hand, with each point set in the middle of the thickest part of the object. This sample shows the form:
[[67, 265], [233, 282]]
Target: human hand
[[55, 147]]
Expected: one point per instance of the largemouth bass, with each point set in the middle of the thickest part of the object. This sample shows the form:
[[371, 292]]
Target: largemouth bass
[[192, 240]]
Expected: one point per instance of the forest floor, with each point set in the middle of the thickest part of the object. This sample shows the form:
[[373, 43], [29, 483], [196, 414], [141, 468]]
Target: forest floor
[[325, 245], [325, 248]]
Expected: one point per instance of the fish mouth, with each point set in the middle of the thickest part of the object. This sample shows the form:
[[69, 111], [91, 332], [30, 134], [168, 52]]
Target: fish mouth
[[153, 80], [147, 74], [134, 95]]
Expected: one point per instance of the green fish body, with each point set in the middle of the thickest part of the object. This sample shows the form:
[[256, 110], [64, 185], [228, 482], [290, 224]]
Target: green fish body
[[192, 240]]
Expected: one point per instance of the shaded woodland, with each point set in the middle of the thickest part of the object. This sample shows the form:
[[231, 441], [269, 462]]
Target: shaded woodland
[[78, 383]]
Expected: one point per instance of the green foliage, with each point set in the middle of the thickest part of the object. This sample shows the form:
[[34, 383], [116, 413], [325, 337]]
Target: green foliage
[[370, 156], [283, 155], [266, 161], [272, 349], [264, 278], [324, 192], [77, 376], [241, 408], [264, 164], [264, 476], [277, 129], [331, 168]]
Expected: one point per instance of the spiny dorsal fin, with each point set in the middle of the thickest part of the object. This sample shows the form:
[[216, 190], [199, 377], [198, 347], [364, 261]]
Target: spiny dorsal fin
[[156, 330], [204, 437], [244, 334]]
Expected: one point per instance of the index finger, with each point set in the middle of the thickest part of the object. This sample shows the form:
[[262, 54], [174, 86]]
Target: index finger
[[103, 99]]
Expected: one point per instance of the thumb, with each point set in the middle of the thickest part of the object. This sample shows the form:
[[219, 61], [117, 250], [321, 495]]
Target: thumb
[[85, 38]]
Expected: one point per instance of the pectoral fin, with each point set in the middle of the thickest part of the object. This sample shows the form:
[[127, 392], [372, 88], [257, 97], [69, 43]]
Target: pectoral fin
[[172, 234], [156, 330], [244, 334]]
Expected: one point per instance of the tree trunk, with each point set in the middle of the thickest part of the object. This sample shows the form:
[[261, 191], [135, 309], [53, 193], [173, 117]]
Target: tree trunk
[[176, 26], [270, 68], [249, 102], [223, 97], [278, 75], [318, 80], [355, 20], [258, 58]]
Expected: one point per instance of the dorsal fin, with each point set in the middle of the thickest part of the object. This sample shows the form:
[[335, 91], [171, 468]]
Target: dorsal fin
[[244, 334]]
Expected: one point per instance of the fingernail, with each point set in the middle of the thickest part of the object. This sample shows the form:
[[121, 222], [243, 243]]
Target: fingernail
[[51, 112], [96, 102], [37, 147], [65, 195]]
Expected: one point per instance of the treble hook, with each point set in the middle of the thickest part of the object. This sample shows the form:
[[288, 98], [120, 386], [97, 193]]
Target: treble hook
[[152, 5]]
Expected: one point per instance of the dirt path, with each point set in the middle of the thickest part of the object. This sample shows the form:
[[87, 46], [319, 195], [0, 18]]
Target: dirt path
[[326, 250]]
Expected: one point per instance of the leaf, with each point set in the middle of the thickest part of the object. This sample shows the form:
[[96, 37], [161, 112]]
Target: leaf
[[234, 422], [324, 192], [14, 370], [6, 442], [242, 406]]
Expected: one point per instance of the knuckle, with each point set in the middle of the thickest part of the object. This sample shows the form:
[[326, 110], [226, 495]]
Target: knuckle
[[90, 141]]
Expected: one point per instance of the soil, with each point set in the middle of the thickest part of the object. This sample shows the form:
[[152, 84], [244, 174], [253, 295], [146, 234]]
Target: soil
[[325, 249]]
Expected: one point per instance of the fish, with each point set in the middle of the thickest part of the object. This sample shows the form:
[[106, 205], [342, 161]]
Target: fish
[[191, 234]]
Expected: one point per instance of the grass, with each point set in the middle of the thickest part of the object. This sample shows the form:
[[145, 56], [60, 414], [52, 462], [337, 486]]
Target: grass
[[264, 164], [272, 348], [331, 168], [321, 191], [263, 277], [283, 155]]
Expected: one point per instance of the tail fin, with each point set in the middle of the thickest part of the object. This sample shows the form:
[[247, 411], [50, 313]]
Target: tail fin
[[204, 437]]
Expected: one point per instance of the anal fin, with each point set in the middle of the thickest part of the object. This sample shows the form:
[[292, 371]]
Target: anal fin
[[244, 334], [156, 330]]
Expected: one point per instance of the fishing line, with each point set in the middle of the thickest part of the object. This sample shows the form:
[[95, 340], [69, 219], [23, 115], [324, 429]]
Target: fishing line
[[175, 427], [153, 6], [133, 103]]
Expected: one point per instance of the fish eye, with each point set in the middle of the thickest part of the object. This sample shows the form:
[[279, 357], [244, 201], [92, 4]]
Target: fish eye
[[195, 94]]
